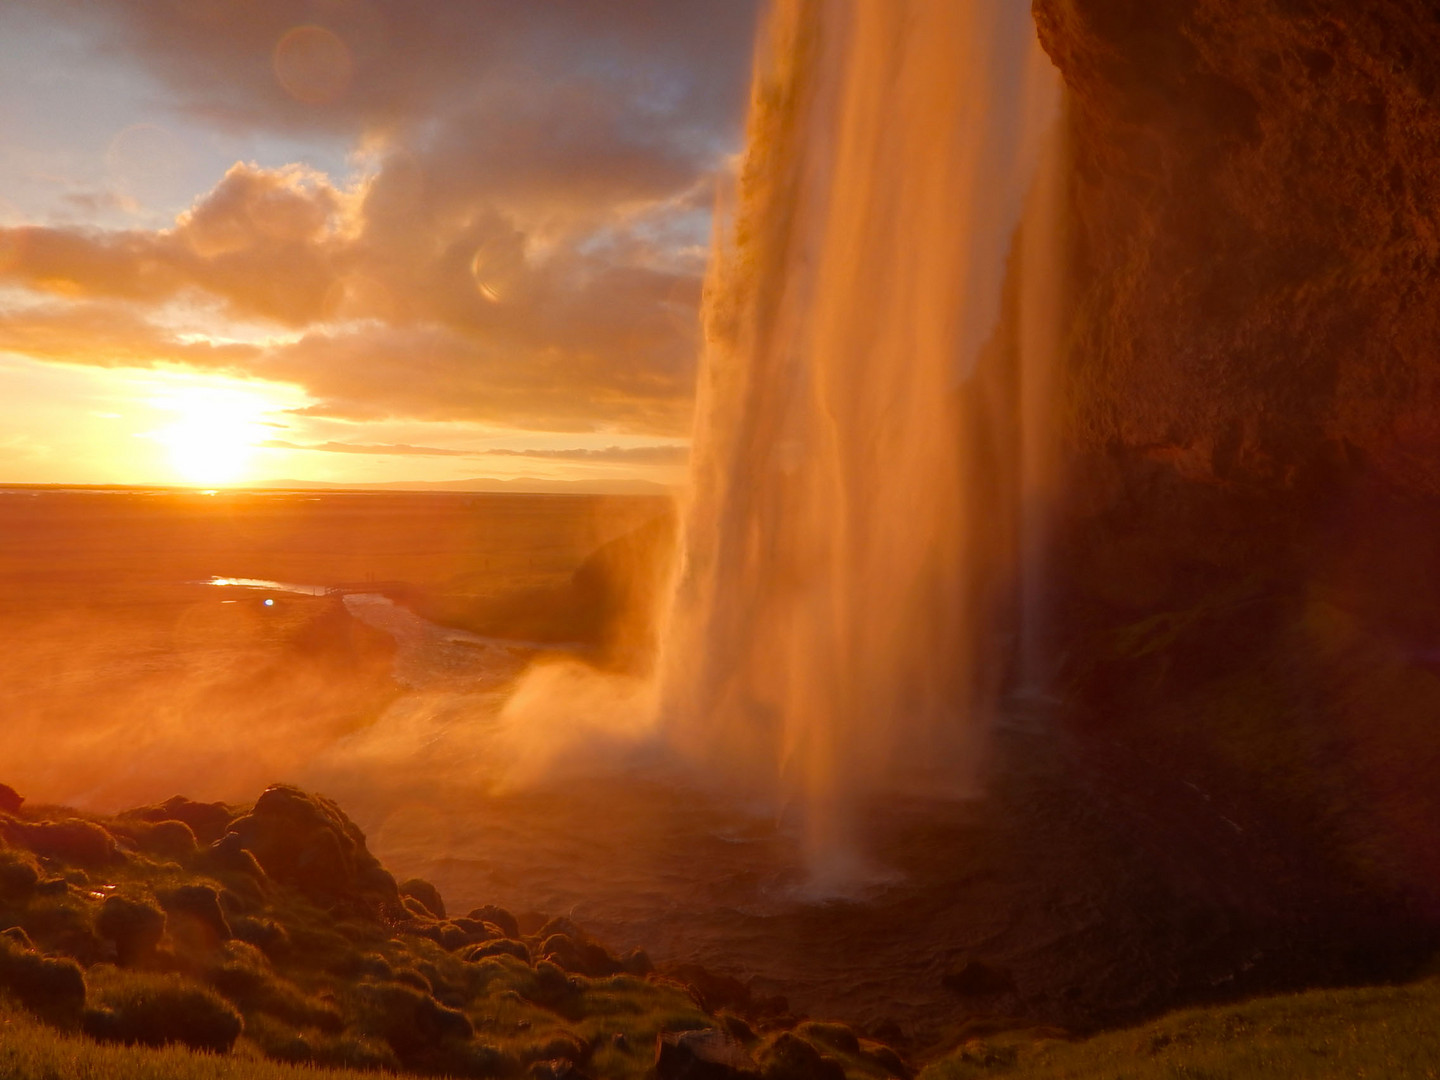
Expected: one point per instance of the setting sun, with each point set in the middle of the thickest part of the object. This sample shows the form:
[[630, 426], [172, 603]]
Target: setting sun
[[215, 434]]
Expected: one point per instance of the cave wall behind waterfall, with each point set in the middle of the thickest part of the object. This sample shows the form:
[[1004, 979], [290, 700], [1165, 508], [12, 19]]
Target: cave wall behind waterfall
[[1249, 554], [1257, 186]]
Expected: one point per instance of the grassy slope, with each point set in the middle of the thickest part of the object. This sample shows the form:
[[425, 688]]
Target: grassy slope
[[30, 1050], [310, 1001], [1370, 1032], [351, 986], [1386, 1031]]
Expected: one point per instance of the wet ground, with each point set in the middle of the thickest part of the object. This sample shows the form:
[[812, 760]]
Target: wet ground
[[1106, 889]]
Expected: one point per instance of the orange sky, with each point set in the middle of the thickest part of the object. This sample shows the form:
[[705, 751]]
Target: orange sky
[[357, 240]]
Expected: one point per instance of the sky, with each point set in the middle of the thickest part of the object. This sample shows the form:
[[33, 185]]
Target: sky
[[358, 241]]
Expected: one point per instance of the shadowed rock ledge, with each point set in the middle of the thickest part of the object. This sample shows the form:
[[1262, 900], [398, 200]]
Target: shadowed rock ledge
[[1247, 558]]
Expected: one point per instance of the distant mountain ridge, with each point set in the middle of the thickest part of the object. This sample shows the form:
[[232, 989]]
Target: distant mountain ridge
[[520, 485]]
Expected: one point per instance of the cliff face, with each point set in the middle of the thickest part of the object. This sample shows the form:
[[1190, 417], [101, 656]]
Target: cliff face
[[1249, 561], [1256, 194]]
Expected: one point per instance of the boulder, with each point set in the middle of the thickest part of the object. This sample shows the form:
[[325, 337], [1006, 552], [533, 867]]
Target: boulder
[[208, 821], [479, 931], [554, 988], [711, 992], [194, 918], [10, 800], [453, 937], [499, 917], [18, 876], [374, 966], [166, 839], [703, 1055], [72, 841], [559, 925], [583, 957], [306, 842], [228, 856], [497, 947], [267, 935], [52, 987], [449, 935], [154, 1010], [789, 1057], [428, 896], [410, 1020], [374, 880], [636, 962], [135, 927], [886, 1058]]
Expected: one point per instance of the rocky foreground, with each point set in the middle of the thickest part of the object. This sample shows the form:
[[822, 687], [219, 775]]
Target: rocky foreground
[[272, 926]]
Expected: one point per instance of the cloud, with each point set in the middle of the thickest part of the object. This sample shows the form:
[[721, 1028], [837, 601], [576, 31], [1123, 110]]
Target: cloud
[[520, 242], [673, 454], [92, 203], [385, 449], [397, 64], [423, 322], [669, 454], [109, 334], [261, 241], [432, 373]]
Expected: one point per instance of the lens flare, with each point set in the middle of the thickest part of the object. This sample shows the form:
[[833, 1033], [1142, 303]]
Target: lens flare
[[490, 274], [313, 65]]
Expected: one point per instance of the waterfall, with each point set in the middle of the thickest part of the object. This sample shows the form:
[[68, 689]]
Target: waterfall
[[870, 441]]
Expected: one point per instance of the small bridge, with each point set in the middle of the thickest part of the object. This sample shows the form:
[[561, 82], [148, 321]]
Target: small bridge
[[349, 587]]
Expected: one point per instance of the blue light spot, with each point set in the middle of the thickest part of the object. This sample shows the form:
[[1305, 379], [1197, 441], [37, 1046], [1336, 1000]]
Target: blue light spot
[[269, 603]]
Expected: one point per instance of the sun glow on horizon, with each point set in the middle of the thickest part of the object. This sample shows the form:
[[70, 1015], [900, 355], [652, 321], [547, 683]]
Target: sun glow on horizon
[[216, 433]]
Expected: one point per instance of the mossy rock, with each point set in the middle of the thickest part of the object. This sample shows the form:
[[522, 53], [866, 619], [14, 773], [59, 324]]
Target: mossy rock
[[154, 1009], [73, 841], [789, 1057], [19, 874], [53, 987], [134, 925], [428, 896]]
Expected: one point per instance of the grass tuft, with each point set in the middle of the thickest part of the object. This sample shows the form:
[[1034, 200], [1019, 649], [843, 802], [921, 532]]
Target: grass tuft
[[1383, 1031], [154, 1009]]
